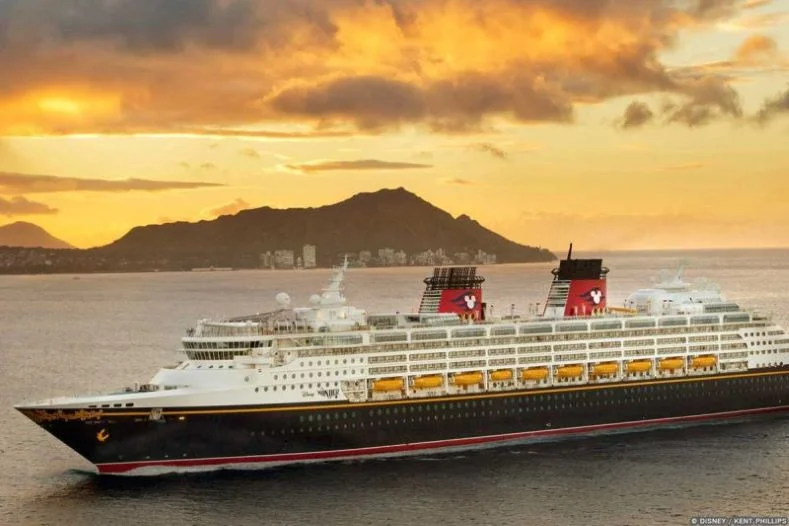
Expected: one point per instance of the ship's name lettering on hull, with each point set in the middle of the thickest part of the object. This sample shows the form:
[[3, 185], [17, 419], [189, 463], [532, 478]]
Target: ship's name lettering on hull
[[329, 393]]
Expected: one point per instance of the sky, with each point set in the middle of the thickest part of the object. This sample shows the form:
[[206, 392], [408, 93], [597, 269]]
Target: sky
[[639, 124]]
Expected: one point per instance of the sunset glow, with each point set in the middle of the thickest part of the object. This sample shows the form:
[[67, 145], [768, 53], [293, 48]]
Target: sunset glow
[[643, 124]]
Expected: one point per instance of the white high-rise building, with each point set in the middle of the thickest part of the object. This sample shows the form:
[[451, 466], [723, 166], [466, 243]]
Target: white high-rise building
[[308, 252]]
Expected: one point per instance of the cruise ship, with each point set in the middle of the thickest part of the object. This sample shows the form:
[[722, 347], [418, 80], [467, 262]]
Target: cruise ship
[[329, 381]]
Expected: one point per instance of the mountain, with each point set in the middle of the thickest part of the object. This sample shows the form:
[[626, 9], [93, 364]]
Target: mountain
[[22, 234], [387, 218]]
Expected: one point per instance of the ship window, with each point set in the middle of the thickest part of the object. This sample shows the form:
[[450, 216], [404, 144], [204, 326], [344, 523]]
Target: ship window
[[532, 329]]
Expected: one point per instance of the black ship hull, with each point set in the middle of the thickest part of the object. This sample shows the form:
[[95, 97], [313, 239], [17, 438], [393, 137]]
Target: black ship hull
[[134, 441]]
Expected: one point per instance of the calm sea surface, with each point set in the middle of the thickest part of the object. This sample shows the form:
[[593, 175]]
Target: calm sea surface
[[63, 335]]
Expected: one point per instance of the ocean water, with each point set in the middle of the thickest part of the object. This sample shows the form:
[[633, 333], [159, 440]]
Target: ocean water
[[65, 334]]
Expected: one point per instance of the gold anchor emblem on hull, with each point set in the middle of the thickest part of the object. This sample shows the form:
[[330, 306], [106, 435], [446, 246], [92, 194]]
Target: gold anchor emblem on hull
[[102, 435]]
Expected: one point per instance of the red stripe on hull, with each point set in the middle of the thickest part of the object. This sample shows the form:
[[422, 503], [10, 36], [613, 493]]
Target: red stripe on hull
[[119, 468]]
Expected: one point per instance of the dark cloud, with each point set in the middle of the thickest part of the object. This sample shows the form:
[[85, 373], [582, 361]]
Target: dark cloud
[[491, 149], [369, 101], [229, 208], [636, 114], [459, 104], [208, 166], [708, 98], [30, 184], [773, 107], [458, 180], [362, 164], [18, 206], [162, 25]]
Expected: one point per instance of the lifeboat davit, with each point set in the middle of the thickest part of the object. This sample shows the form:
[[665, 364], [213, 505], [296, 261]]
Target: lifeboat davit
[[535, 373], [498, 376], [428, 382], [669, 364], [467, 378], [605, 369], [638, 366], [703, 361], [388, 384], [570, 371]]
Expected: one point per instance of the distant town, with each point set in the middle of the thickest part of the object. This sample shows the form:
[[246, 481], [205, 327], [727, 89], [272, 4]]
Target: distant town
[[18, 260], [383, 257]]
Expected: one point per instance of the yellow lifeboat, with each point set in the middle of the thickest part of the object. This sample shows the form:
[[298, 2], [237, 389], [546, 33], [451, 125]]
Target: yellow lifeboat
[[570, 371], [498, 376], [535, 373], [703, 361], [605, 369], [388, 384], [427, 382], [467, 378], [638, 366], [669, 364]]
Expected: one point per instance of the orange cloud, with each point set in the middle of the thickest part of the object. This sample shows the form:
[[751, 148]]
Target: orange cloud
[[757, 48], [175, 66]]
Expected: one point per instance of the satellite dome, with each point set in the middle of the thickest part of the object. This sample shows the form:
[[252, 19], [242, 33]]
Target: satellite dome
[[282, 299]]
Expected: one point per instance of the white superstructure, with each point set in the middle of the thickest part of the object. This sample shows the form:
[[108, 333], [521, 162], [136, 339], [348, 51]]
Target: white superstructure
[[332, 351]]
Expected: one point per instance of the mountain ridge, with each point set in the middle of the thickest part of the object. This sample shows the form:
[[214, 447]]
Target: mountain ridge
[[28, 235], [387, 218], [390, 218]]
